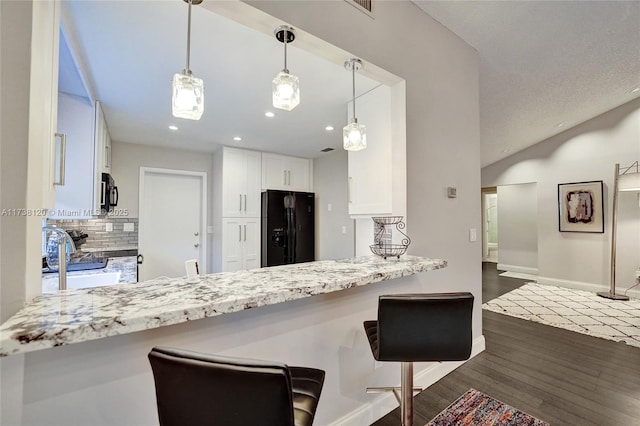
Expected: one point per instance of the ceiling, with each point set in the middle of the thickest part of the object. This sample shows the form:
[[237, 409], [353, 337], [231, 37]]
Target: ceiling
[[129, 64], [545, 66]]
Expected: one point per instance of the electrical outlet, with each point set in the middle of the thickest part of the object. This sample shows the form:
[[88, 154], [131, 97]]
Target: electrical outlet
[[128, 227], [109, 227], [329, 207]]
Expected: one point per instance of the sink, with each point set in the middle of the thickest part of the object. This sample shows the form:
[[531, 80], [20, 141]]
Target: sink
[[82, 281]]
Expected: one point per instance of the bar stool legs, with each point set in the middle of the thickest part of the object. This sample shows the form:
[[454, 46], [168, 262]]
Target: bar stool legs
[[404, 394], [406, 387]]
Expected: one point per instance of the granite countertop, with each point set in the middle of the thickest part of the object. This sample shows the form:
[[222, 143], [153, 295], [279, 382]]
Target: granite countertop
[[127, 266], [74, 316]]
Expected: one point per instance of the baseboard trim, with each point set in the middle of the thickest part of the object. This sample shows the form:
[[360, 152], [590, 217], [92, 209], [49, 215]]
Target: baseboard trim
[[580, 285], [369, 412], [515, 268]]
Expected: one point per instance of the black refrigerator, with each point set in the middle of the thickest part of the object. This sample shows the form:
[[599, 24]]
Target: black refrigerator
[[288, 222]]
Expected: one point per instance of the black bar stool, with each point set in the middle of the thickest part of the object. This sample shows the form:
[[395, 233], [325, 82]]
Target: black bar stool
[[200, 389], [419, 327]]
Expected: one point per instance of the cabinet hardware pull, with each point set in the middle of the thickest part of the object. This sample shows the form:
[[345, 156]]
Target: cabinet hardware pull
[[240, 208], [63, 154], [245, 232], [240, 233], [245, 202]]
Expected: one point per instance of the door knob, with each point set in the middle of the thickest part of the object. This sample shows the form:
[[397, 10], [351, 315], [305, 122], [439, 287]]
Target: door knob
[[196, 245], [195, 234]]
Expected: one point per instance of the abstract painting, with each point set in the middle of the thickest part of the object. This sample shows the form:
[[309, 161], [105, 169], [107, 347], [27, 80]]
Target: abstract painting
[[581, 207]]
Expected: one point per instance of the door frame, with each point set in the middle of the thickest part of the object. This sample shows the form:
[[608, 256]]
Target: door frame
[[203, 199]]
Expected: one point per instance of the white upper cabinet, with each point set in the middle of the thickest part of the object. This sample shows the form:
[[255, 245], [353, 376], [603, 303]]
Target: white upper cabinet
[[240, 183], [370, 170], [102, 141], [74, 195], [286, 173]]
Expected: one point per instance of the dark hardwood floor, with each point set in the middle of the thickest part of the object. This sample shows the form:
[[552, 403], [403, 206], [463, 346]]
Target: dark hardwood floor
[[559, 376]]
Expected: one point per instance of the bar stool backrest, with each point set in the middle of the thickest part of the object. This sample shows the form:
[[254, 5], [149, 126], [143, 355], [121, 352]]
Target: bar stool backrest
[[425, 327], [200, 389]]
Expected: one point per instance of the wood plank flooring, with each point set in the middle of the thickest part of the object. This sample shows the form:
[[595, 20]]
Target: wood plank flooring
[[559, 376]]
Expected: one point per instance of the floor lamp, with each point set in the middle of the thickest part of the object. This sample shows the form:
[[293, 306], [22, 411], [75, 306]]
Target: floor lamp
[[627, 179]]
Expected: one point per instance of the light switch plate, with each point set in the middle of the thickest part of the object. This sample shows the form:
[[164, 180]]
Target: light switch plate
[[473, 235]]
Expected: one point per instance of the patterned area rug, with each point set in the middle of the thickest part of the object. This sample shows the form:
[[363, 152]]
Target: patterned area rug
[[478, 409], [575, 310]]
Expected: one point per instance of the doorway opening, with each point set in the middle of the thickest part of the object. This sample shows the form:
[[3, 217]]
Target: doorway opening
[[490, 225]]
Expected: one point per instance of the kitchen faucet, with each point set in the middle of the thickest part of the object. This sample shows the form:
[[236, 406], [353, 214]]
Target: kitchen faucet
[[62, 238]]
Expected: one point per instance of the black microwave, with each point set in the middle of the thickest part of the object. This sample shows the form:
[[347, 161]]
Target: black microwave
[[108, 194]]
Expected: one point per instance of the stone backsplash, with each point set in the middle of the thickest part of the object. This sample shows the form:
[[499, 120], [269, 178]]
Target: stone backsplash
[[98, 236]]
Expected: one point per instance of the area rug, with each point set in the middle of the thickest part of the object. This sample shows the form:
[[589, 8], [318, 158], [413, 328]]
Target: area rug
[[575, 310], [478, 409]]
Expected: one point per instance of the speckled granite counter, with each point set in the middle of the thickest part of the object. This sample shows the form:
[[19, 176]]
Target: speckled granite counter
[[74, 316], [127, 266]]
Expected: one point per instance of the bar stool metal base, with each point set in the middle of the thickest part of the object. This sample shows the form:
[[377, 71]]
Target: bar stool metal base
[[404, 394]]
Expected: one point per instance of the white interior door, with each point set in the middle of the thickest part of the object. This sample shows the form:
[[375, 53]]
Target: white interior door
[[172, 221]]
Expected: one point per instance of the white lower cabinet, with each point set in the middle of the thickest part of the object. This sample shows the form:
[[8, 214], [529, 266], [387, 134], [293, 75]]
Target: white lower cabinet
[[240, 244]]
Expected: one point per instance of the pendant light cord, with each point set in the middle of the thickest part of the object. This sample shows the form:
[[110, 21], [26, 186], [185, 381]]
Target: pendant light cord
[[353, 75], [187, 70], [286, 37]]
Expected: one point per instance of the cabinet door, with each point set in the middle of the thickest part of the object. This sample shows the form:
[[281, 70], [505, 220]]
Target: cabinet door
[[233, 182], [274, 175], [370, 172], [251, 243], [298, 172], [232, 244], [251, 194]]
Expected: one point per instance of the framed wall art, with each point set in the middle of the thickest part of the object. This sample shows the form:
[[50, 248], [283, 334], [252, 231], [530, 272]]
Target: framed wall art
[[581, 207]]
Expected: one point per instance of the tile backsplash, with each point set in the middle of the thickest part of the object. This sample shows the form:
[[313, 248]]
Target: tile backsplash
[[98, 236]]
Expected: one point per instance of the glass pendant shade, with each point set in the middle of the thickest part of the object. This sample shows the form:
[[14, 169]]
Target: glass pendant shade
[[354, 136], [188, 97], [286, 91]]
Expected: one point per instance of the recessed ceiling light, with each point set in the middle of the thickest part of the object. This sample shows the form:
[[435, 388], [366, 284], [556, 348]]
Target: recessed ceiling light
[[328, 128], [172, 127], [237, 138], [561, 124], [269, 114], [636, 90]]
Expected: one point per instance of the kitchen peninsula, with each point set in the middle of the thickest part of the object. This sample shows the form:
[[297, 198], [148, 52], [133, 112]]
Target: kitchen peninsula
[[100, 336]]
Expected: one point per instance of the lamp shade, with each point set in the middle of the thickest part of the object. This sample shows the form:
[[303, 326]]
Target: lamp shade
[[354, 136], [188, 97], [629, 182], [286, 91]]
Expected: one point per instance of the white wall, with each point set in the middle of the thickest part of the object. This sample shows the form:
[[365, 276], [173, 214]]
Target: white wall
[[584, 153], [127, 158], [330, 187], [442, 109], [518, 228]]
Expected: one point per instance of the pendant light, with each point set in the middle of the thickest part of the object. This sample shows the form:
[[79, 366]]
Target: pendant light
[[188, 91], [354, 135], [285, 86]]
